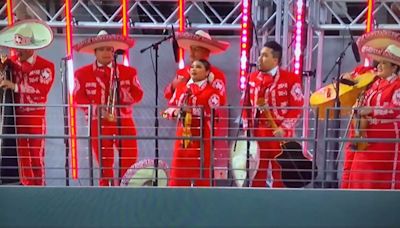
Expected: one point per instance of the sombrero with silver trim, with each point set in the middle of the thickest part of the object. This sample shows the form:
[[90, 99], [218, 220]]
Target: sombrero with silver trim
[[103, 39], [378, 39], [391, 53], [29, 34], [143, 174], [202, 39]]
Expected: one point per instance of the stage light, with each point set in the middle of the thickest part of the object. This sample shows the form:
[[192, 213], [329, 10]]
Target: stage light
[[10, 15], [370, 26], [298, 63], [125, 28], [70, 78], [246, 12], [182, 20]]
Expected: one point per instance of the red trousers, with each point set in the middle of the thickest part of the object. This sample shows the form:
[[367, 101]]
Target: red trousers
[[128, 148], [31, 150], [377, 167], [268, 151], [186, 163]]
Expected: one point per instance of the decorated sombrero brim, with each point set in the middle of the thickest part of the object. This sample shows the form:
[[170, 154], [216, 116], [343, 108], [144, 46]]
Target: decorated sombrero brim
[[201, 39], [238, 160], [378, 39], [103, 39], [391, 53], [143, 174], [26, 34]]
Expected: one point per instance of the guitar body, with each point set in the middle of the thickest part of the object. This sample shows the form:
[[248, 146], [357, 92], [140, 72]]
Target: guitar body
[[238, 158], [297, 170], [8, 146], [325, 97], [143, 174]]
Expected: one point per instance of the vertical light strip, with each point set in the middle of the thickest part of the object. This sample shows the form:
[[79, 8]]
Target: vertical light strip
[[370, 16], [182, 19], [370, 24], [70, 78], [10, 15], [244, 43], [10, 18], [299, 21], [125, 28]]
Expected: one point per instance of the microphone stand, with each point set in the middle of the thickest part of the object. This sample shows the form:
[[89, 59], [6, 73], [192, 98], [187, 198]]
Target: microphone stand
[[246, 101], [116, 83], [332, 176], [155, 47], [63, 72]]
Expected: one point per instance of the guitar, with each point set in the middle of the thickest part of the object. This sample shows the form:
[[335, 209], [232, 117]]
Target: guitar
[[8, 146], [297, 170], [325, 97]]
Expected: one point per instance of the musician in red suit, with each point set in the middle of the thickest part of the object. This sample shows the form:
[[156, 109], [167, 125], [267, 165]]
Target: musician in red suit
[[193, 101], [271, 87], [357, 72], [376, 164], [94, 86], [201, 45], [32, 78]]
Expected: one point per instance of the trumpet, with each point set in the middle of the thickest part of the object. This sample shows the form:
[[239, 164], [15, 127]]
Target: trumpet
[[111, 102]]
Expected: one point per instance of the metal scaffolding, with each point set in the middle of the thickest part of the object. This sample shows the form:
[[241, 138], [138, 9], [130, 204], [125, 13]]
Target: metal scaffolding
[[144, 14]]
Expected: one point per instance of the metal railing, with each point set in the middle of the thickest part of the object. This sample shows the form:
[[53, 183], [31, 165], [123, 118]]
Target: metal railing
[[220, 152]]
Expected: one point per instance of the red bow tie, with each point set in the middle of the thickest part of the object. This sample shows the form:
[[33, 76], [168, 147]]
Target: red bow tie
[[267, 81]]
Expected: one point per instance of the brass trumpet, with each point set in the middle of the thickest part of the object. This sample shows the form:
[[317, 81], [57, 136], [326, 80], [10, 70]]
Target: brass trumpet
[[111, 102]]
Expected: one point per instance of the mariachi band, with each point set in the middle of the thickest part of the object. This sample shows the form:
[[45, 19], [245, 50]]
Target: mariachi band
[[196, 90]]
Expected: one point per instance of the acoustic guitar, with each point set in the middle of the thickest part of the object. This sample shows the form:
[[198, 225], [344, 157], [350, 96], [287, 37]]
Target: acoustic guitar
[[297, 170], [325, 97]]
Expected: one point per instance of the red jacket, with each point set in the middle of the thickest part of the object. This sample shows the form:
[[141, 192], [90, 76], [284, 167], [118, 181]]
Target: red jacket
[[216, 78], [92, 86], [33, 79], [384, 94], [280, 91]]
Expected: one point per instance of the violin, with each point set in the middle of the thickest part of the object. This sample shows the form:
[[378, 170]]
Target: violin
[[348, 94]]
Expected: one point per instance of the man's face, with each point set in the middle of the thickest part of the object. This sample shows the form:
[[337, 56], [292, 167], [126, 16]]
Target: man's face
[[23, 55], [197, 53], [104, 55], [266, 61]]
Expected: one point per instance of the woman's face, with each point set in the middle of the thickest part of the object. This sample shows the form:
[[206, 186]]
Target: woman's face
[[198, 71], [386, 69]]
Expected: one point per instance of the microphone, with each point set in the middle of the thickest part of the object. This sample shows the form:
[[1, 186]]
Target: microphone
[[175, 46], [347, 82], [252, 64], [354, 47], [119, 52]]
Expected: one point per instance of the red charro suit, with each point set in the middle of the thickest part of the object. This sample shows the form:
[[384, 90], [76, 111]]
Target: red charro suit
[[218, 81], [376, 166], [185, 168], [92, 86], [33, 79], [280, 91]]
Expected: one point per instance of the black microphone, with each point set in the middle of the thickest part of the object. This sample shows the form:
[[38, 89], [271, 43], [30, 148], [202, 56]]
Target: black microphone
[[119, 52], [347, 82], [252, 64], [175, 46], [354, 47]]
